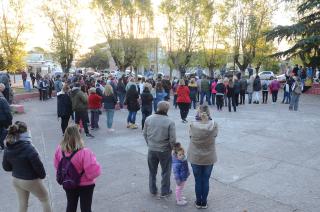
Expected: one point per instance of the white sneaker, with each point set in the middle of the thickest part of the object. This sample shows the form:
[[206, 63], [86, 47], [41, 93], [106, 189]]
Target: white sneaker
[[182, 202], [111, 130]]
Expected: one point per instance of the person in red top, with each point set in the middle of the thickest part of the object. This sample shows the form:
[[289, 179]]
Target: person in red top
[[94, 102], [183, 100], [274, 88]]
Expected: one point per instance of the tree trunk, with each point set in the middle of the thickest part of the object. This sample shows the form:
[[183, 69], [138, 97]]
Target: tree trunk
[[211, 71], [182, 71], [170, 72]]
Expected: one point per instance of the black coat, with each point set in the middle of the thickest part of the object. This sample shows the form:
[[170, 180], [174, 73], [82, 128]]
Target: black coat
[[23, 160], [220, 88], [64, 105], [257, 84], [109, 102], [5, 113], [132, 101], [146, 100], [230, 91], [236, 87]]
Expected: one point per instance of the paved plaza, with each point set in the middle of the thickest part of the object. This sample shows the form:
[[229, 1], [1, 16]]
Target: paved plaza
[[268, 160]]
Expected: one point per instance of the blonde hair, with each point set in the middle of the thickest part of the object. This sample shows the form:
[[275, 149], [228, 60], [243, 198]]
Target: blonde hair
[[93, 90], [108, 90], [72, 140], [182, 82]]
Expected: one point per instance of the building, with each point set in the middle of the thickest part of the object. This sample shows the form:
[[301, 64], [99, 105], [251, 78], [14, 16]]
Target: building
[[39, 62]]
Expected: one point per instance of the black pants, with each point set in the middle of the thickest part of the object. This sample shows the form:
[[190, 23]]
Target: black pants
[[219, 99], [242, 97], [264, 96], [231, 100], [3, 135], [274, 96], [145, 114], [184, 110], [85, 194], [43, 94], [164, 158], [236, 98], [83, 116], [6, 93], [64, 123], [94, 119]]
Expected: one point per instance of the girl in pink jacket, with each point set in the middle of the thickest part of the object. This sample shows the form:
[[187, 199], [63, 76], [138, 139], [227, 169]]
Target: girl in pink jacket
[[85, 163]]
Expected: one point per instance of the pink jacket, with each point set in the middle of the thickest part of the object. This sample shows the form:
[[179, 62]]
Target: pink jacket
[[275, 85], [213, 87], [83, 160]]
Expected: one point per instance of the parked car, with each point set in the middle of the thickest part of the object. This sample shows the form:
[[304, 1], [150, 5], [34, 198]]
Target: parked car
[[281, 78], [266, 75]]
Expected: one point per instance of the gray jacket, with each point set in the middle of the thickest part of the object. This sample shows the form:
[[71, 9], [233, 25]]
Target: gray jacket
[[160, 133]]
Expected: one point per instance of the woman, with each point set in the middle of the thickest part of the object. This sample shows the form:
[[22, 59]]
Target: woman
[[183, 100], [231, 96], [202, 156], [94, 104], [84, 161], [250, 89], [256, 89], [64, 107], [22, 159], [146, 99], [109, 102], [220, 89], [133, 106], [159, 96], [214, 91], [236, 85], [193, 93]]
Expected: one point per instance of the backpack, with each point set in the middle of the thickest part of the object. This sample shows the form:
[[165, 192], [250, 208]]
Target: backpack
[[265, 86], [67, 174]]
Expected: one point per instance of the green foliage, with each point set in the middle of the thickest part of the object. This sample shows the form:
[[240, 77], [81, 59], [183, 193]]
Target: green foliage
[[132, 21], [97, 58], [12, 28], [305, 34], [65, 30]]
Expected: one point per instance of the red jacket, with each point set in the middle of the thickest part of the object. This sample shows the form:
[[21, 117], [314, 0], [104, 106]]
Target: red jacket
[[94, 101], [183, 93]]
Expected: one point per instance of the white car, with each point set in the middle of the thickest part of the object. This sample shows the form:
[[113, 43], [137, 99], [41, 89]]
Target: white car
[[281, 78], [266, 75]]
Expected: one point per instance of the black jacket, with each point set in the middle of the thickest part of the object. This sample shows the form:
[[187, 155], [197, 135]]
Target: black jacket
[[230, 91], [257, 84], [109, 102], [64, 105], [146, 100], [220, 88], [5, 112], [23, 160], [132, 101], [236, 87]]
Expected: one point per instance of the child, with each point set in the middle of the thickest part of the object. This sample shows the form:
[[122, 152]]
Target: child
[[203, 109], [181, 171]]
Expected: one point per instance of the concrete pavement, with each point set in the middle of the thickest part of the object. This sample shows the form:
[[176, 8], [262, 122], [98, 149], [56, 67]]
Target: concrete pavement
[[268, 160]]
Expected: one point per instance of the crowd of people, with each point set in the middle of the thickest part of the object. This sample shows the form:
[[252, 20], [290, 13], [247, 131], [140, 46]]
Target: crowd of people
[[80, 95]]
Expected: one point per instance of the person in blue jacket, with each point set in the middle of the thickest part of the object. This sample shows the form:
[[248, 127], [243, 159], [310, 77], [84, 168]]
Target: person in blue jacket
[[180, 171], [159, 95]]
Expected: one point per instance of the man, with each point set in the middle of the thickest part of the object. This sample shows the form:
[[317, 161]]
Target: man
[[243, 90], [205, 90], [58, 84], [33, 78], [80, 106], [24, 77], [160, 135], [5, 80], [5, 116]]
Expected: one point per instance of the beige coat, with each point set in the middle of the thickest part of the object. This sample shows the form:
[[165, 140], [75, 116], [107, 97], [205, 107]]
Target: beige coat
[[202, 150]]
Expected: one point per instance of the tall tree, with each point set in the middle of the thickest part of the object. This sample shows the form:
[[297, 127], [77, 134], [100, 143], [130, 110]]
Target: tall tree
[[185, 22], [249, 20], [305, 34], [97, 58], [123, 22], [64, 25], [12, 28]]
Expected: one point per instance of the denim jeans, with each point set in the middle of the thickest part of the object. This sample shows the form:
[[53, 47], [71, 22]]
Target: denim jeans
[[132, 117], [286, 97], [201, 176], [164, 158], [207, 95], [294, 101], [213, 96], [109, 114], [121, 99], [232, 101], [193, 103], [249, 98], [175, 101]]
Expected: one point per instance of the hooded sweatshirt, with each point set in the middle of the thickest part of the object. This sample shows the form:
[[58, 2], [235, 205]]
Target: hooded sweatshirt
[[202, 150], [79, 100]]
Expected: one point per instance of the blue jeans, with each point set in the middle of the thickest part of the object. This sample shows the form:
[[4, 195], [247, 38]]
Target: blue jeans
[[294, 101], [121, 99], [286, 97], [201, 176], [132, 117], [3, 135], [207, 94], [109, 113]]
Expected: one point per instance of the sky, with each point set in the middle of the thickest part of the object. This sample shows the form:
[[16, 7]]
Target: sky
[[39, 35]]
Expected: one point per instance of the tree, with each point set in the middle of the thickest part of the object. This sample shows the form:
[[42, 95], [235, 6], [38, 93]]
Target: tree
[[249, 20], [185, 22], [131, 20], [12, 27], [64, 27], [305, 34], [97, 58]]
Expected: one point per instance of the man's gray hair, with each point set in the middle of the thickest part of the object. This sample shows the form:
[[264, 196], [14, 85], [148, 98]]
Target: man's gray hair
[[163, 106]]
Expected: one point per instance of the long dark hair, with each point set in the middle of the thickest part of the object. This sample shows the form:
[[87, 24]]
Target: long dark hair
[[132, 91]]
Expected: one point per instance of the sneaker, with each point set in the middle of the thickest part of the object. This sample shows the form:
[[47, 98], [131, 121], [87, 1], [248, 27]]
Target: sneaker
[[197, 206], [181, 202], [204, 206], [129, 125], [134, 126], [111, 130], [89, 135], [166, 195]]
